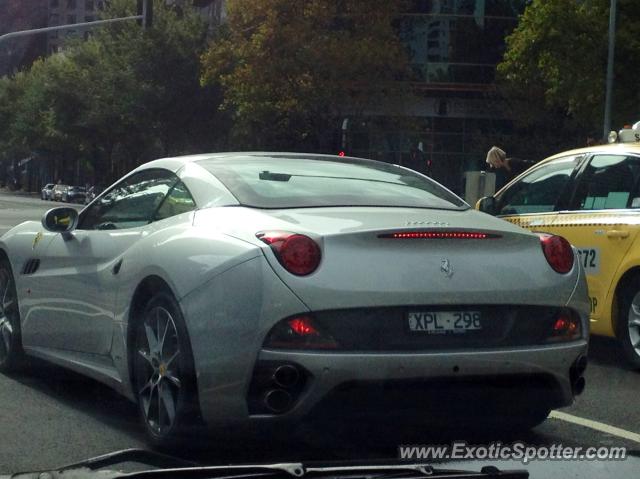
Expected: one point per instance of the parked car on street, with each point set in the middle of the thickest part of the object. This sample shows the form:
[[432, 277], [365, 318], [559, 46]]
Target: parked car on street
[[74, 194], [250, 289], [591, 196], [58, 191], [46, 191]]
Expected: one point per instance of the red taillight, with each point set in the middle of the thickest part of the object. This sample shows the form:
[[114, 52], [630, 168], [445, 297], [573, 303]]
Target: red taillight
[[566, 326], [299, 254], [303, 326], [300, 332], [558, 252]]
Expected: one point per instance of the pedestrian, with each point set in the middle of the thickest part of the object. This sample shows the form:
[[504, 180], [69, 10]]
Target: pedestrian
[[505, 168]]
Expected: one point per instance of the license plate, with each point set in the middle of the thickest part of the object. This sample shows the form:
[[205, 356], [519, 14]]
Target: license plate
[[444, 322]]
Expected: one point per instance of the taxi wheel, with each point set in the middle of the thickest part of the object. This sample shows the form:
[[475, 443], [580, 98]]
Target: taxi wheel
[[628, 327]]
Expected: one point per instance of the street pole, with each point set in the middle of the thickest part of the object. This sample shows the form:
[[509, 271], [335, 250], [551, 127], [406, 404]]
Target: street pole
[[145, 10], [609, 91], [23, 33]]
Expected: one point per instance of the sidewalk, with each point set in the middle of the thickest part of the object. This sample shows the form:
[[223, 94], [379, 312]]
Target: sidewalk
[[7, 191]]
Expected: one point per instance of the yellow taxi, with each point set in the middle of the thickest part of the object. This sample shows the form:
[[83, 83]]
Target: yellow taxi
[[591, 196]]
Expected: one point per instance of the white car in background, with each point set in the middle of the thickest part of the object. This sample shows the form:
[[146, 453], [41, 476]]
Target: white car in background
[[46, 191], [257, 288]]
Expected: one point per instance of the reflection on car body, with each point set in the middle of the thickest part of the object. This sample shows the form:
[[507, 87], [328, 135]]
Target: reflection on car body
[[200, 285], [591, 197]]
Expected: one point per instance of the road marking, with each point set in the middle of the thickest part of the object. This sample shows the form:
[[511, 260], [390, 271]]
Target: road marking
[[598, 426]]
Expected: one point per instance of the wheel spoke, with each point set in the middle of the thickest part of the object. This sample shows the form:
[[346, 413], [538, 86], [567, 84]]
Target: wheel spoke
[[170, 360], [164, 335], [157, 331], [146, 356], [6, 331], [635, 323], [168, 404], [159, 405], [174, 379], [5, 340], [147, 386], [147, 399], [152, 340], [5, 292]]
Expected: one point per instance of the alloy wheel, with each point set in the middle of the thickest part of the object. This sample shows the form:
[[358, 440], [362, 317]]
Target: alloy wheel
[[633, 324], [158, 370], [7, 303]]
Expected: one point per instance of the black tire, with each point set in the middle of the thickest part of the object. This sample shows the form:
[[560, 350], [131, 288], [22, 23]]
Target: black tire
[[628, 323], [163, 379], [11, 353]]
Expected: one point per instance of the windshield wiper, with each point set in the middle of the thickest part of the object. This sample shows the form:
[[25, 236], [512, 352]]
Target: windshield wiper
[[173, 467]]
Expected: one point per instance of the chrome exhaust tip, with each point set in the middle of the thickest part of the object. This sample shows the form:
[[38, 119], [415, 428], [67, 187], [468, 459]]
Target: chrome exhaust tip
[[277, 400], [286, 376]]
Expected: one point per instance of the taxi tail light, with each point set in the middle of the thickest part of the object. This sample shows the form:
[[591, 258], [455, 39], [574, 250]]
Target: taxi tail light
[[566, 326], [558, 252], [297, 253], [299, 332]]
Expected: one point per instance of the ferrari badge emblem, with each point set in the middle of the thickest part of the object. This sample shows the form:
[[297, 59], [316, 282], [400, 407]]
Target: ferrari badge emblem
[[446, 267], [36, 240]]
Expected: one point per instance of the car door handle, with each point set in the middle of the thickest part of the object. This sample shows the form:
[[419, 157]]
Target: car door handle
[[617, 234]]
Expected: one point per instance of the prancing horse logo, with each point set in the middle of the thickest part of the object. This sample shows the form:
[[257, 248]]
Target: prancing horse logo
[[446, 267]]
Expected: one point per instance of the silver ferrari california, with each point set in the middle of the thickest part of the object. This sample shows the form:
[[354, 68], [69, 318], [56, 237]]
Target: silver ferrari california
[[265, 288]]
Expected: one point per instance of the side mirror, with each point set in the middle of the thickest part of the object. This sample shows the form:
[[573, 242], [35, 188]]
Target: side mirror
[[487, 205], [60, 220]]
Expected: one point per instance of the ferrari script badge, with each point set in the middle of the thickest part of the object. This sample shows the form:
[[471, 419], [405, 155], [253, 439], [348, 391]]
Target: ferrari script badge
[[446, 267], [36, 240]]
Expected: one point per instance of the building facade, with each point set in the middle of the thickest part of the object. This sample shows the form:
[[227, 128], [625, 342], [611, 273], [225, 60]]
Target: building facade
[[454, 112], [19, 53], [61, 12]]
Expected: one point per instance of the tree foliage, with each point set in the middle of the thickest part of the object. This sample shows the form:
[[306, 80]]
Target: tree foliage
[[554, 67], [122, 97], [291, 70]]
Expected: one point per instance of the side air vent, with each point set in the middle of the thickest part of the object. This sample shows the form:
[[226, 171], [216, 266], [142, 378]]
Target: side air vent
[[31, 266]]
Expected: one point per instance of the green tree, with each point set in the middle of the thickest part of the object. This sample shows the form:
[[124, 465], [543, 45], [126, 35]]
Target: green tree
[[292, 70], [554, 69], [124, 96], [147, 99], [10, 91]]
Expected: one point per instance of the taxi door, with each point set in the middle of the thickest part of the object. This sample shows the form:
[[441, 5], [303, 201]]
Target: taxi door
[[602, 225], [534, 199]]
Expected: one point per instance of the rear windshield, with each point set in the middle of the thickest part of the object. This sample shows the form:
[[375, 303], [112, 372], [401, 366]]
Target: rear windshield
[[287, 182]]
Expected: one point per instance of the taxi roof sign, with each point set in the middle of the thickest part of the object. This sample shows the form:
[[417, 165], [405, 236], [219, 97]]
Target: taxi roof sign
[[629, 134]]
